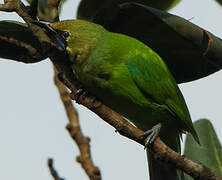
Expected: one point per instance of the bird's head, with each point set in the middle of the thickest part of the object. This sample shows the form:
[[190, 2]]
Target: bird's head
[[76, 37]]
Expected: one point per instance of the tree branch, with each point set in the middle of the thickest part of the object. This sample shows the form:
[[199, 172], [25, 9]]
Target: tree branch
[[76, 134], [24, 52], [73, 127], [160, 150], [52, 170]]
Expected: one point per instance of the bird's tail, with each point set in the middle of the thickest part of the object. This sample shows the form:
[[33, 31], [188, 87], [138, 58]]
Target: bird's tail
[[159, 170]]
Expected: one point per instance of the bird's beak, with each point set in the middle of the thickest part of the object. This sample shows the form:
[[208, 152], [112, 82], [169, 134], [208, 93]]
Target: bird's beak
[[57, 36]]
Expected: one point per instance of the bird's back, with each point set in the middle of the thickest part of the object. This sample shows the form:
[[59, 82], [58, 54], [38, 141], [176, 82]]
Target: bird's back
[[139, 78]]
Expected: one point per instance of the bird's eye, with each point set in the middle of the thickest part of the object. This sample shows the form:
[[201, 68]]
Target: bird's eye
[[65, 34]]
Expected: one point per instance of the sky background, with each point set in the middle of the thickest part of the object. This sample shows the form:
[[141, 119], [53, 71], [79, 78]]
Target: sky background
[[33, 120]]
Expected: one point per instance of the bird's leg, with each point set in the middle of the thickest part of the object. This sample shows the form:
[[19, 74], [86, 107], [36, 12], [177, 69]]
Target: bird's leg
[[151, 135]]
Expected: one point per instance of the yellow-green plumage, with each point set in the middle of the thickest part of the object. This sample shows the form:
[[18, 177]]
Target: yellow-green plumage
[[129, 77]]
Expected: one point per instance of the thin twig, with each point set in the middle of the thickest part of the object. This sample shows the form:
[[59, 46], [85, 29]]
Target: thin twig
[[73, 127], [52, 170], [75, 132]]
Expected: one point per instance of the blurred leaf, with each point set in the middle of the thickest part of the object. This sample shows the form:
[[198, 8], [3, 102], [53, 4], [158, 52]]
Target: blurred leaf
[[43, 5], [50, 10], [219, 2], [189, 51], [61, 4], [210, 151], [88, 8], [18, 43]]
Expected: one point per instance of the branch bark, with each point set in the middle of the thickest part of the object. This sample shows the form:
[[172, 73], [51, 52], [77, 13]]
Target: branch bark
[[28, 13], [76, 134], [52, 170], [161, 151]]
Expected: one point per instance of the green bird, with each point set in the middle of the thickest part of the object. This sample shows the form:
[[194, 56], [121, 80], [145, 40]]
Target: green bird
[[130, 78]]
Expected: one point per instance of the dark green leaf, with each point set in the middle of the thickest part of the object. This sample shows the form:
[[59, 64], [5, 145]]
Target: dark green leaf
[[88, 8], [50, 10], [18, 43], [219, 1], [189, 51], [210, 151], [43, 5]]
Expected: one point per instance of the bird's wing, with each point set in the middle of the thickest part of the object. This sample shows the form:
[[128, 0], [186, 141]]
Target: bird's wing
[[152, 77]]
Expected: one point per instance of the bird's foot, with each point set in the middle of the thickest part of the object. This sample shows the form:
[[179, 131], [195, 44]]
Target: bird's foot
[[80, 94], [151, 135]]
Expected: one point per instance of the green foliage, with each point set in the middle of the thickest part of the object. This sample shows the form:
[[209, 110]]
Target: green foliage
[[43, 5], [210, 151], [49, 10], [219, 2], [88, 8]]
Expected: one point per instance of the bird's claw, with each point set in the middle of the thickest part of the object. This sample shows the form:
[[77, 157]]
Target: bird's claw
[[151, 135], [78, 95]]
